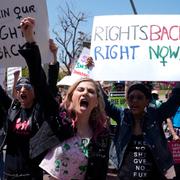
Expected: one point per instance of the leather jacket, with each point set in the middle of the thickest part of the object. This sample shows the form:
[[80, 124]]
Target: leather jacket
[[5, 102], [98, 147]]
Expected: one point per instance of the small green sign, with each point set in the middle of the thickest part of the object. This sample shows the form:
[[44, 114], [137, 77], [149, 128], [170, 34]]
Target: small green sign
[[119, 100]]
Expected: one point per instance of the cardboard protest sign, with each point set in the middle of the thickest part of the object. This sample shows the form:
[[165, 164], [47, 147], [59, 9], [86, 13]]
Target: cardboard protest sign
[[81, 69], [136, 47], [11, 37]]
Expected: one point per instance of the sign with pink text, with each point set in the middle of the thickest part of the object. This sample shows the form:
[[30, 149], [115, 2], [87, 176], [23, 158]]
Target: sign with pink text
[[11, 37], [175, 150], [81, 69], [136, 47]]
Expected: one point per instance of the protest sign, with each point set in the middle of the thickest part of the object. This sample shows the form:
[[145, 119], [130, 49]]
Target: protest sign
[[175, 150], [2, 76], [119, 100], [81, 69], [136, 47], [10, 76], [11, 37]]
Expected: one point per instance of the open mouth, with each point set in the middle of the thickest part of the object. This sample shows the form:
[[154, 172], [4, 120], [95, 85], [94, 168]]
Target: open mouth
[[84, 103], [133, 107], [23, 96]]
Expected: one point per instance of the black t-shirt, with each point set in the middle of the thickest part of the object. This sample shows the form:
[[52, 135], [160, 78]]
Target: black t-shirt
[[138, 162], [17, 154]]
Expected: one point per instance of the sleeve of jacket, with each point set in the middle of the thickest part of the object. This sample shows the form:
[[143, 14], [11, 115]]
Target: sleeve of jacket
[[98, 157], [53, 129], [169, 108], [5, 100], [111, 110], [38, 79], [53, 72], [5, 103]]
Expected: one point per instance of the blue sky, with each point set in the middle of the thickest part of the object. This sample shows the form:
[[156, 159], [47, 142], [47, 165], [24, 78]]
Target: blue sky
[[109, 7]]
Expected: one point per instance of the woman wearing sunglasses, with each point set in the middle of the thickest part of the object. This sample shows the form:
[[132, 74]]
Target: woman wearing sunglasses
[[140, 148], [19, 126], [25, 116]]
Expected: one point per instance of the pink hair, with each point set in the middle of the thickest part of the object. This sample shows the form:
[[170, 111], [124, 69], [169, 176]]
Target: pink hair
[[98, 118]]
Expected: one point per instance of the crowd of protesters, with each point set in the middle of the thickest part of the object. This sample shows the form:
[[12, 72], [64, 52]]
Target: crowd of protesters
[[50, 138]]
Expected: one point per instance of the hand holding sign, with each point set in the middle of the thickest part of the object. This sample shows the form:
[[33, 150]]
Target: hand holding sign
[[89, 62]]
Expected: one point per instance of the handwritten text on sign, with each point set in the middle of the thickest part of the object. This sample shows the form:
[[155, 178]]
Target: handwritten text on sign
[[11, 37], [141, 47], [81, 68]]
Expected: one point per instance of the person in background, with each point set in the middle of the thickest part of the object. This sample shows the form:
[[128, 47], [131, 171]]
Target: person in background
[[174, 129], [26, 116], [84, 107], [155, 102], [4, 104], [140, 146], [19, 125], [1, 164], [174, 125], [107, 86]]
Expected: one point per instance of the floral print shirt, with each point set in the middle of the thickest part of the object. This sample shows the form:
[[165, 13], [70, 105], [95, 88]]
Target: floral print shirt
[[67, 161]]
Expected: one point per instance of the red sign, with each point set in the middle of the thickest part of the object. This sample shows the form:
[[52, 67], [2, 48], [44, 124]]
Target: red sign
[[175, 149]]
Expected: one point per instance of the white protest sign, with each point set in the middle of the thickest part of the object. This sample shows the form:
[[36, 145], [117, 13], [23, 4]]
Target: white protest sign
[[2, 76], [10, 76], [81, 69], [136, 47], [11, 38]]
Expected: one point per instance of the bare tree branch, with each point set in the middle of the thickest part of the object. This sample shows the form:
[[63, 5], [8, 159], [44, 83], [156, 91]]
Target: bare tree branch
[[70, 37]]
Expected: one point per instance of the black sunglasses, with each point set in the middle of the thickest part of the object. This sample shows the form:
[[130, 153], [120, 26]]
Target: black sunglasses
[[26, 86]]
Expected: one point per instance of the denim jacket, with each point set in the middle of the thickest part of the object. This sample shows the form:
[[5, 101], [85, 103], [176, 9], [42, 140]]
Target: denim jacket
[[151, 127]]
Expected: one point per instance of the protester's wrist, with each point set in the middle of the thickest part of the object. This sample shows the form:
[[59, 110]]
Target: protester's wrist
[[30, 40], [29, 44]]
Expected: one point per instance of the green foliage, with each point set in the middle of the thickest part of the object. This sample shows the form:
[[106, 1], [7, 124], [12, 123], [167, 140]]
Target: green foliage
[[61, 75], [25, 72]]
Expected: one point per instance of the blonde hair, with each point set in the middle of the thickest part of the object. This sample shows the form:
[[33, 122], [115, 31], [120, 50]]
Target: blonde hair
[[97, 120]]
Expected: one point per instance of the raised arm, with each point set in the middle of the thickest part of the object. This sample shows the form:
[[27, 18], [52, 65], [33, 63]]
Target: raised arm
[[32, 56], [171, 129], [5, 100], [16, 77], [5, 103], [53, 70], [111, 110], [169, 108]]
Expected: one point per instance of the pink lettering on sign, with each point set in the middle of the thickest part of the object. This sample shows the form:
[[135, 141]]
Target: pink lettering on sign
[[174, 147], [164, 33]]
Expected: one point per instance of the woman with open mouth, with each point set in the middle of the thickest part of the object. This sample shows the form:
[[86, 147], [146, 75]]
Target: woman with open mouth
[[84, 139]]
